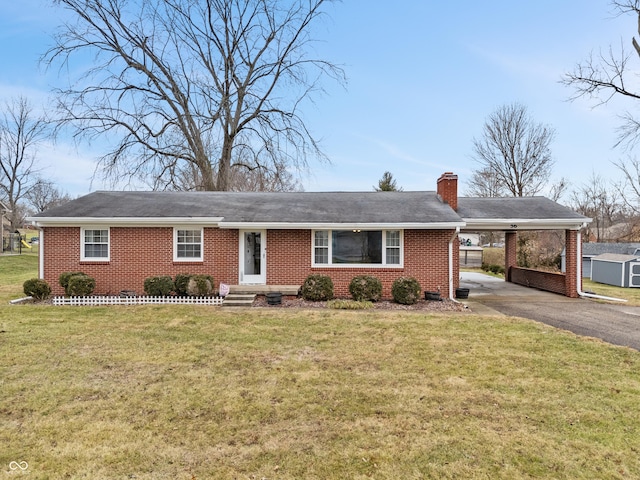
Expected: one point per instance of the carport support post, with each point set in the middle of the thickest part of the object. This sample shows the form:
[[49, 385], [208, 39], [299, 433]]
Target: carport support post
[[510, 253], [571, 269]]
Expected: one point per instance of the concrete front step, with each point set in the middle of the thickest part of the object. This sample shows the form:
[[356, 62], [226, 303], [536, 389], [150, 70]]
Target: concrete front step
[[239, 300], [263, 289]]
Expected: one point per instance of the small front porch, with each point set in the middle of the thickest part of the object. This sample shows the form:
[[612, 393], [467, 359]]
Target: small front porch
[[244, 295]]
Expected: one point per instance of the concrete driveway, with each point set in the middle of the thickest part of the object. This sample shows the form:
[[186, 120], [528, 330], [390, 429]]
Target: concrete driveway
[[614, 323]]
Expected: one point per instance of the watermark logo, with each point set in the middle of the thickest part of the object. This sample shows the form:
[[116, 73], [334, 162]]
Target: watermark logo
[[18, 465]]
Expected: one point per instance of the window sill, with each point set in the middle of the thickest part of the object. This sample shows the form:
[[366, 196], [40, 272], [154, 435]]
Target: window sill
[[359, 266]]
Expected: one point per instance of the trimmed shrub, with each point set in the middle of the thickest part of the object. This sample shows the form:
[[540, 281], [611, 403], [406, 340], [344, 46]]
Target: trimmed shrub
[[493, 268], [317, 288], [80, 285], [64, 277], [180, 283], [36, 288], [160, 286], [365, 288], [200, 286], [406, 290]]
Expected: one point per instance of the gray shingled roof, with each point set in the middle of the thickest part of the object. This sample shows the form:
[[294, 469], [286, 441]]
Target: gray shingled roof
[[514, 207], [310, 208], [615, 257], [264, 207], [597, 248], [517, 213]]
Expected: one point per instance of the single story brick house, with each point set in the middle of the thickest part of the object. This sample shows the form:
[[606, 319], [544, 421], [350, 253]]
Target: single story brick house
[[271, 239]]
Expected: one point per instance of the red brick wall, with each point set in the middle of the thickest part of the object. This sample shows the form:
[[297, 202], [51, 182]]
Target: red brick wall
[[547, 281], [510, 253], [425, 258], [571, 265], [137, 253], [562, 283]]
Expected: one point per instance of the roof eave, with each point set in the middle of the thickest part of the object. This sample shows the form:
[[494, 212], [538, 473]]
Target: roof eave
[[346, 225], [525, 224], [123, 221]]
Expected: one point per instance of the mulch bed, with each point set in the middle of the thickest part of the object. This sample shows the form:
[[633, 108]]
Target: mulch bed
[[422, 305]]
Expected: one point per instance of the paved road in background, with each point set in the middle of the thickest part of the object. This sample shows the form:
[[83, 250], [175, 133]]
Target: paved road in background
[[614, 323]]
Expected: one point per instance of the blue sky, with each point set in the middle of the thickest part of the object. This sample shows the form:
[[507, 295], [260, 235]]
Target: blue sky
[[423, 78]]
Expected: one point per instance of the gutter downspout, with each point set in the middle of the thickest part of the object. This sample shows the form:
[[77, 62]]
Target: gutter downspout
[[455, 235], [41, 254], [579, 274]]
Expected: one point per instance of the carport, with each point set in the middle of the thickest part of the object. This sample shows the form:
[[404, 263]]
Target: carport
[[512, 215]]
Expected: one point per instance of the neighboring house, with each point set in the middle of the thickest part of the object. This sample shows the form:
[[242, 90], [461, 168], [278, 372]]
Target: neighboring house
[[593, 249], [274, 239]]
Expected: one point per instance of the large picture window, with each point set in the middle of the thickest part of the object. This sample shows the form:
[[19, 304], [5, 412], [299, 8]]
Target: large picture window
[[94, 244], [357, 247], [187, 245]]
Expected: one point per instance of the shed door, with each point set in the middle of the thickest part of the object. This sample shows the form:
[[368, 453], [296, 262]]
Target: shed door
[[634, 274], [253, 257]]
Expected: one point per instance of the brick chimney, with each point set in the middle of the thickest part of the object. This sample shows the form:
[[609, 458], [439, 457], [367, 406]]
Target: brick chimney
[[448, 189]]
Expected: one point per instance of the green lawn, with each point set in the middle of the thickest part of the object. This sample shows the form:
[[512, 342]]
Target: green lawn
[[198, 392]]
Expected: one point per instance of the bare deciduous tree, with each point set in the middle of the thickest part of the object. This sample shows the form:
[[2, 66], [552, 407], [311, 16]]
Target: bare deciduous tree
[[515, 151], [44, 195], [598, 200], [21, 131], [485, 183], [608, 74], [212, 86], [558, 189]]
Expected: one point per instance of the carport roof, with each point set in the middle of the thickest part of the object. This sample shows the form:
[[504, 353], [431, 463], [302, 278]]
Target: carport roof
[[521, 213]]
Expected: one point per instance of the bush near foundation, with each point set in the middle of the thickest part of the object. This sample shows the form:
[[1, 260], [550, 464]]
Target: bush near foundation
[[200, 286], [80, 285], [64, 278], [317, 288], [406, 290], [180, 282], [365, 288], [36, 288], [159, 286]]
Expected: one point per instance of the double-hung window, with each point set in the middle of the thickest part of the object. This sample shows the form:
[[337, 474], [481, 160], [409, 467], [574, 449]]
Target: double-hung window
[[357, 247], [392, 247], [187, 245], [321, 247], [94, 244]]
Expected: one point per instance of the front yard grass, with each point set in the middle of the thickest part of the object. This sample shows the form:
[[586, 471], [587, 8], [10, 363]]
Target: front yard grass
[[184, 392], [632, 295]]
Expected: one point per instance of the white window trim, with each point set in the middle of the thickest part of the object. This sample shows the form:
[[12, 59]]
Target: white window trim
[[175, 245], [358, 265], [84, 258]]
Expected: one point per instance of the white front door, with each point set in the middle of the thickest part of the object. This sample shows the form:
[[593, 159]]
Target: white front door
[[253, 257]]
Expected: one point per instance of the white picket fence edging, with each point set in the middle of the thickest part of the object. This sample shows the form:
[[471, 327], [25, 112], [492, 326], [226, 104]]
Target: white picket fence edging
[[96, 300]]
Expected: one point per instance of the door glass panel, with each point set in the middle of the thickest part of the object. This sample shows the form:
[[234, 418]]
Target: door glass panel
[[252, 253]]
